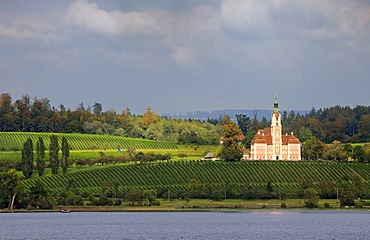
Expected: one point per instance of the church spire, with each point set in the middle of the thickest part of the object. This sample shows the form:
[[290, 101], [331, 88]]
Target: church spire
[[276, 104]]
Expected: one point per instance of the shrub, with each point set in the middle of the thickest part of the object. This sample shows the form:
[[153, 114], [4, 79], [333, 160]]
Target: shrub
[[358, 204], [283, 205], [75, 200], [327, 205], [118, 202]]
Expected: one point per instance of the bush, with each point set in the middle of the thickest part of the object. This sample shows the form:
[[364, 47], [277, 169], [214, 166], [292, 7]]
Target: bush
[[311, 198], [327, 205], [93, 201], [358, 204], [283, 205], [75, 200], [118, 202]]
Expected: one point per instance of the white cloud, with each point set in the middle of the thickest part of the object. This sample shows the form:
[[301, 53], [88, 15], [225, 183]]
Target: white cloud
[[14, 32], [289, 18], [244, 15], [177, 33], [183, 55], [92, 18]]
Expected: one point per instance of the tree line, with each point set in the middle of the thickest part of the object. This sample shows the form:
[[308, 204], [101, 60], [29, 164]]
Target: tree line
[[38, 115], [344, 124], [348, 191], [28, 159]]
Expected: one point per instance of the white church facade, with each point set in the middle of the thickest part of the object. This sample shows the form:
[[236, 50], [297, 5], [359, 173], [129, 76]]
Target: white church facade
[[270, 144]]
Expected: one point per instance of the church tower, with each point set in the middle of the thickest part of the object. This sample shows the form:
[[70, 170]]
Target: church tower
[[276, 132]]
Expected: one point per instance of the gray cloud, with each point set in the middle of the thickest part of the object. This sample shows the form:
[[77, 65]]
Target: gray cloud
[[188, 55]]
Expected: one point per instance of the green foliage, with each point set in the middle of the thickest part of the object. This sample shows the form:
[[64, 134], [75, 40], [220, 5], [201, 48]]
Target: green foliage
[[311, 199], [327, 205], [244, 123], [269, 188], [28, 114], [10, 140], [304, 184], [350, 188], [313, 149], [10, 186], [39, 197], [244, 178], [27, 158], [64, 163], [54, 154], [335, 151], [359, 153], [327, 189], [231, 149], [40, 156]]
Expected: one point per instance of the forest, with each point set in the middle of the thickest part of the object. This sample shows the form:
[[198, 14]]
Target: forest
[[344, 124]]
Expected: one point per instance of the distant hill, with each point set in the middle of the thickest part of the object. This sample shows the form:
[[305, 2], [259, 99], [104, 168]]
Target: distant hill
[[203, 115]]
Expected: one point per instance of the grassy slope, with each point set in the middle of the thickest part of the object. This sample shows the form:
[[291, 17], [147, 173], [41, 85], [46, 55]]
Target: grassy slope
[[177, 175], [91, 154], [14, 141]]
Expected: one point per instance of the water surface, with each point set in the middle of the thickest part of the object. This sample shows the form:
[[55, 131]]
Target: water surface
[[259, 224]]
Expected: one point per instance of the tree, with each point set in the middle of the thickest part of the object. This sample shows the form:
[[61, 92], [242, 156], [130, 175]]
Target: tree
[[304, 184], [269, 189], [231, 149], [27, 158], [313, 148], [243, 122], [304, 134], [97, 108], [351, 188], [335, 151], [40, 156], [346, 194], [148, 118], [65, 155], [39, 196], [311, 199], [150, 197], [23, 107], [359, 153], [327, 189], [54, 154], [10, 186], [348, 150], [7, 114]]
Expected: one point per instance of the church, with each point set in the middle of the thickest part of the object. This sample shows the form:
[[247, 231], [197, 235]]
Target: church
[[270, 144]]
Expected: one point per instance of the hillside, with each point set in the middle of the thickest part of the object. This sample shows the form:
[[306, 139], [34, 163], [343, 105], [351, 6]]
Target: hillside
[[176, 176], [13, 141]]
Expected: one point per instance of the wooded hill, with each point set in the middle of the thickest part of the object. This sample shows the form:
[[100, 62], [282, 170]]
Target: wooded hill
[[343, 124], [178, 176]]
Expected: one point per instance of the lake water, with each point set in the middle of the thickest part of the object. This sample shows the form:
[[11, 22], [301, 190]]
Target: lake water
[[259, 224]]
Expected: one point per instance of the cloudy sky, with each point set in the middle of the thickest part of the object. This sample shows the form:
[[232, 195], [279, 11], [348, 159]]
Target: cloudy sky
[[187, 55]]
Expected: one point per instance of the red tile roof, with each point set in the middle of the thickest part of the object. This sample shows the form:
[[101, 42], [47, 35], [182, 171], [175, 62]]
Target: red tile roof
[[264, 136]]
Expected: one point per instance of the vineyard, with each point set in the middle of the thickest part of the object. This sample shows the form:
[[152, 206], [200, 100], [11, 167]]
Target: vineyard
[[176, 176], [13, 141]]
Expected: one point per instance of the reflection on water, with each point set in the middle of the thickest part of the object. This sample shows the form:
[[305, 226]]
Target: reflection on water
[[259, 224]]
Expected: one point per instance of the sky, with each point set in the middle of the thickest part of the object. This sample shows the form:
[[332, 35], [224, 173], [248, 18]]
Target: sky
[[179, 56]]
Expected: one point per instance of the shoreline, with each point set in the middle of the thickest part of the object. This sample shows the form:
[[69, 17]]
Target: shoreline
[[159, 209]]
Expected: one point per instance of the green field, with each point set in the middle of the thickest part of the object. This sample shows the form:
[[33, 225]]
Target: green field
[[13, 141], [176, 175], [93, 154]]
